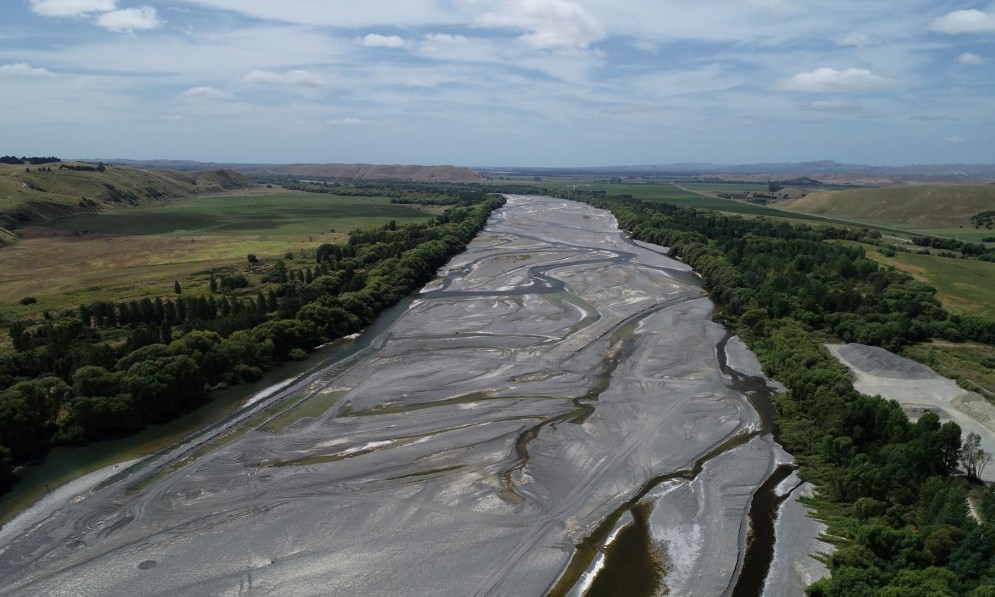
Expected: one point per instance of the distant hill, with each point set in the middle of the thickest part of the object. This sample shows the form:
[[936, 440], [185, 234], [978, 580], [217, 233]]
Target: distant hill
[[182, 165], [343, 171], [827, 172], [911, 206], [374, 172], [34, 194]]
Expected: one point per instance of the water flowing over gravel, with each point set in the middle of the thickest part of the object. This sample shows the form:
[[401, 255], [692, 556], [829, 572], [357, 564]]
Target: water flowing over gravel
[[554, 376]]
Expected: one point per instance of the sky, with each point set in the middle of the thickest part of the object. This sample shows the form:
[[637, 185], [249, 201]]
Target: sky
[[500, 82]]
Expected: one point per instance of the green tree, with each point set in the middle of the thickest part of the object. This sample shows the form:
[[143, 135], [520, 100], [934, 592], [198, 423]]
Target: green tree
[[973, 457]]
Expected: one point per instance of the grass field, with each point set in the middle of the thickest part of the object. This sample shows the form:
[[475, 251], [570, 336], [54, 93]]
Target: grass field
[[132, 253], [938, 210], [732, 187], [282, 215], [37, 195], [963, 286], [699, 195]]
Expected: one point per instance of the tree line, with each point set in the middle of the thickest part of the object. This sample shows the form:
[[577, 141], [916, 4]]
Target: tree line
[[83, 168], [422, 193], [108, 368], [887, 486], [34, 161], [968, 250]]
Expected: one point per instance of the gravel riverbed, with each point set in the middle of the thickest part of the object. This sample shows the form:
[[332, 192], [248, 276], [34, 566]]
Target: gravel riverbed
[[554, 376]]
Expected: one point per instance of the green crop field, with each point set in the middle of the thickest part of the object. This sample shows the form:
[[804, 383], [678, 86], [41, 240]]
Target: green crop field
[[130, 253]]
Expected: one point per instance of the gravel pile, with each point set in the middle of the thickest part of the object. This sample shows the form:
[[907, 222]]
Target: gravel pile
[[881, 363]]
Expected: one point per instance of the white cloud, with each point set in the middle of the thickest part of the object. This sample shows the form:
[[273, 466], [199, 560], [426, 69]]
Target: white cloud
[[550, 24], [375, 40], [857, 40], [834, 106], [130, 19], [969, 58], [445, 38], [830, 80], [294, 78], [706, 80], [70, 8], [170, 117], [421, 83], [24, 71], [211, 93], [954, 140], [964, 21], [346, 121]]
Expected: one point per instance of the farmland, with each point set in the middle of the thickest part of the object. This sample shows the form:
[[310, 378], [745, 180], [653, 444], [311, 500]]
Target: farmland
[[136, 252], [964, 286]]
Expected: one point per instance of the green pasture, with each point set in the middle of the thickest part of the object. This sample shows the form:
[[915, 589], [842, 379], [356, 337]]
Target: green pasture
[[732, 187], [696, 195], [964, 286], [279, 215], [130, 253]]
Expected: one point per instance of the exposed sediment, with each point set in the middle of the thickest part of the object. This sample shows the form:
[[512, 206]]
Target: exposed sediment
[[556, 379], [919, 389]]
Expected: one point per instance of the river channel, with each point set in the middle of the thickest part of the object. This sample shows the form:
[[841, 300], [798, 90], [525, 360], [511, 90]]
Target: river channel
[[555, 414]]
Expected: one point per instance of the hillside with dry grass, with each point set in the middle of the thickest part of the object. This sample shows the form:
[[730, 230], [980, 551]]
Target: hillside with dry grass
[[916, 207], [36, 194]]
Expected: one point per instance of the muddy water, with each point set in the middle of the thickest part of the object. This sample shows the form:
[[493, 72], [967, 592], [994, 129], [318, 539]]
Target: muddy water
[[620, 574], [556, 380]]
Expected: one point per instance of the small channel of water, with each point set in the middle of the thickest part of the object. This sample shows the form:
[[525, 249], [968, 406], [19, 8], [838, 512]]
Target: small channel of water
[[64, 464], [632, 564]]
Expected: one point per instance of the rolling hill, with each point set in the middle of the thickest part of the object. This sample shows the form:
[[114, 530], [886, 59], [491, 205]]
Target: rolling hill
[[36, 194], [923, 206], [377, 172]]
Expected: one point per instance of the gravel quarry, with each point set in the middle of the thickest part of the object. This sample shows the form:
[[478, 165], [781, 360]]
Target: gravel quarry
[[557, 400], [876, 371]]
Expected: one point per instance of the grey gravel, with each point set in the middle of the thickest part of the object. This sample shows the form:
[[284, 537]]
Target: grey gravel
[[552, 371]]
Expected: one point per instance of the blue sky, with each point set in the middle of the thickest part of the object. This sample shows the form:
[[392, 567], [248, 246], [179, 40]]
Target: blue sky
[[500, 82]]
